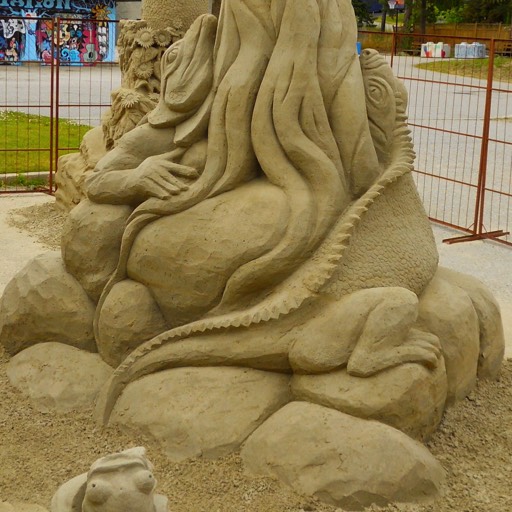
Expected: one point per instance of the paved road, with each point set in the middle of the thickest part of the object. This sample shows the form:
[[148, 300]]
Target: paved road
[[457, 104], [17, 246], [28, 88]]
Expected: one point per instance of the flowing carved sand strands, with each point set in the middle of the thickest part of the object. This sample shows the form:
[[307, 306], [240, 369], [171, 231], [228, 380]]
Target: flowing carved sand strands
[[304, 284]]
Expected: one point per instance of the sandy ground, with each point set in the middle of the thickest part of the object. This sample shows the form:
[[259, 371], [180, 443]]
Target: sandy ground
[[39, 451], [18, 247]]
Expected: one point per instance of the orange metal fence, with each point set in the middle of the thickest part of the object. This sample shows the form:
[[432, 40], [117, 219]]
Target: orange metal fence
[[460, 114], [53, 89]]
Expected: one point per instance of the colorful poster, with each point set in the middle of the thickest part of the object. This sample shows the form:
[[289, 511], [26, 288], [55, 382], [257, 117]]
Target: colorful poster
[[83, 34], [12, 40]]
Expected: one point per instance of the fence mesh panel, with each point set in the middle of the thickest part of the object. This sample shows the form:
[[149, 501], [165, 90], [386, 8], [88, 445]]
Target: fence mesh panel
[[460, 115], [48, 103]]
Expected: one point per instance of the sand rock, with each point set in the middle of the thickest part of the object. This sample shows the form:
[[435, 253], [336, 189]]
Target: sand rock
[[129, 317], [18, 506], [93, 147], [342, 460], [72, 168], [447, 311], [492, 338], [409, 397], [92, 233], [208, 412], [44, 303], [69, 178], [58, 377]]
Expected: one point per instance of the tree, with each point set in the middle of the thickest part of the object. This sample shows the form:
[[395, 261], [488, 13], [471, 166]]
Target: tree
[[491, 11], [361, 9], [423, 16], [420, 12], [363, 14]]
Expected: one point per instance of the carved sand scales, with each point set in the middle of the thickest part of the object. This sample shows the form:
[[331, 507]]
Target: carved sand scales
[[262, 264]]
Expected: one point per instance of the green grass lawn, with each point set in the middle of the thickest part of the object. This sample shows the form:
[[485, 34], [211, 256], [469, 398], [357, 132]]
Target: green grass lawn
[[476, 68], [25, 141]]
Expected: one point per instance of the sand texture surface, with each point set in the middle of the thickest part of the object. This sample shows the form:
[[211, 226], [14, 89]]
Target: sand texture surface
[[38, 452]]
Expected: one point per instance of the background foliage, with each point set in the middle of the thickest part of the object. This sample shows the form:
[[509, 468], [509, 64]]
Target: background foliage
[[419, 12]]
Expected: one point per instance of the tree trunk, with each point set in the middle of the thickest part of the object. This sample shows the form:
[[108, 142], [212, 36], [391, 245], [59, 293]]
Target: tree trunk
[[423, 16], [407, 17], [383, 20]]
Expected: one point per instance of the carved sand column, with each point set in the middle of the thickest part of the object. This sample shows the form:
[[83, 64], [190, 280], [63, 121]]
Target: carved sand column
[[140, 46], [172, 13]]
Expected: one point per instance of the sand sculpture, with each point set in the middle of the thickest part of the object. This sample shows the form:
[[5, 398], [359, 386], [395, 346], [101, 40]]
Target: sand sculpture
[[140, 46], [121, 482], [256, 256]]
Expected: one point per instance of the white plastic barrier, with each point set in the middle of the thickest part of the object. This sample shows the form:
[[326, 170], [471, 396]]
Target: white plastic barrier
[[442, 50], [438, 50], [470, 51], [427, 50]]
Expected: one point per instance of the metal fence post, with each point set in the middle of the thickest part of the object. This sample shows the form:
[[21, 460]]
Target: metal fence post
[[484, 152], [56, 58], [52, 109]]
